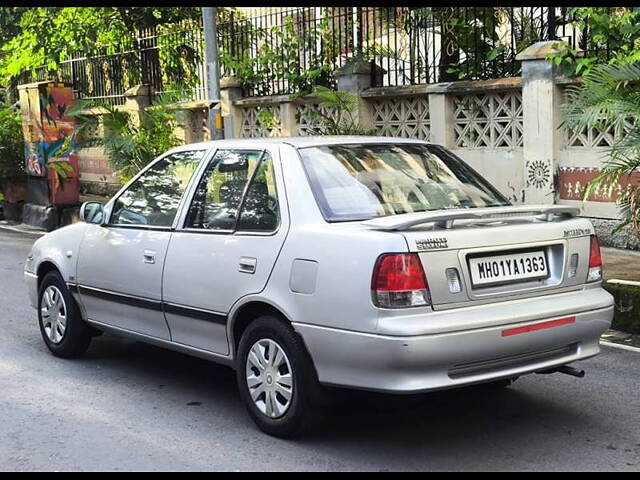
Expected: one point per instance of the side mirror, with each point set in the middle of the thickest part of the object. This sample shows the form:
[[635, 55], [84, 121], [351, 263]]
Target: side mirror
[[92, 212]]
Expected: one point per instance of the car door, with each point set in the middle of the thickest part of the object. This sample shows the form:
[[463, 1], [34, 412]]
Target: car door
[[119, 272], [226, 246]]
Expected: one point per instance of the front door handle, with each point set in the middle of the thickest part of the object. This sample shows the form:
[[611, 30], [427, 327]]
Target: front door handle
[[149, 256]]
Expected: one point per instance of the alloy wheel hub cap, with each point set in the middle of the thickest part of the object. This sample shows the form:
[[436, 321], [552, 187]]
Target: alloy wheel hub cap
[[53, 314], [269, 378]]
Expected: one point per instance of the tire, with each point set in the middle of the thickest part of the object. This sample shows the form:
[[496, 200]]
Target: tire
[[74, 339], [299, 413]]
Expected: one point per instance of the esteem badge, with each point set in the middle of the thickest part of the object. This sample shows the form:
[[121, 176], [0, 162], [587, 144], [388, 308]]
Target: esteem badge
[[577, 232], [432, 243]]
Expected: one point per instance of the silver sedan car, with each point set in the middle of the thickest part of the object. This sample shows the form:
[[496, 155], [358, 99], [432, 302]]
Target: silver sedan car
[[306, 264]]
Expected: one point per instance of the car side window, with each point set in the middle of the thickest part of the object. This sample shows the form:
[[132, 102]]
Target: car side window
[[153, 199], [219, 193], [260, 211]]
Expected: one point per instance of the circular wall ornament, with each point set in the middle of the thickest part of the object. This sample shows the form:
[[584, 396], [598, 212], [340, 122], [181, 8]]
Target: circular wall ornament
[[538, 173]]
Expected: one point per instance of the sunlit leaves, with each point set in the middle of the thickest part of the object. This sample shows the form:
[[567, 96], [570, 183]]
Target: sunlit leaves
[[11, 144]]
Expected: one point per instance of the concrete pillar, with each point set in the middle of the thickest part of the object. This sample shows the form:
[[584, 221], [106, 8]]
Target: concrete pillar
[[230, 90], [288, 121], [137, 99], [541, 100], [187, 128], [441, 120], [355, 77]]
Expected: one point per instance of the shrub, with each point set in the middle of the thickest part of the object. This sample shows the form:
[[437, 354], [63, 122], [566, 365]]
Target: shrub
[[12, 163], [608, 98], [337, 114], [627, 311]]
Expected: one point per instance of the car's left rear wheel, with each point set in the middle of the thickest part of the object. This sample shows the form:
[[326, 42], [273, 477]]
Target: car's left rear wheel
[[276, 378]]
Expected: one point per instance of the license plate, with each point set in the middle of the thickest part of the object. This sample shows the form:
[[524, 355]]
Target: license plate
[[508, 268]]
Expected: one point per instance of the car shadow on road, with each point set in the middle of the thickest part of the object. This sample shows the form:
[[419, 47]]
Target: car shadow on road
[[463, 418]]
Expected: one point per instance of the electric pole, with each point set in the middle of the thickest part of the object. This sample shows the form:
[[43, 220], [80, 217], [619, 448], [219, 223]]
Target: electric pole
[[213, 71]]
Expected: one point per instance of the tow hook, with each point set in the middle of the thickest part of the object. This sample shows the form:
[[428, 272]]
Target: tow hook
[[565, 369]]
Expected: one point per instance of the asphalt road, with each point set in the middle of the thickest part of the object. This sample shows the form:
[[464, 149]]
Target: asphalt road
[[129, 406]]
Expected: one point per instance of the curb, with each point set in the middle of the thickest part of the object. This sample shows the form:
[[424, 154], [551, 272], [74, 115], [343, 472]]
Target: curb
[[624, 282], [621, 347], [11, 228]]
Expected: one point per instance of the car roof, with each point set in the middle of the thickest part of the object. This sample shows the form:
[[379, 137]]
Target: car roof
[[300, 142]]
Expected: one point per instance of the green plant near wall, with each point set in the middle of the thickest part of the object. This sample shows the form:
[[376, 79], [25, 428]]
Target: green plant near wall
[[337, 114], [274, 54], [609, 99], [129, 143], [627, 311], [12, 163], [280, 56]]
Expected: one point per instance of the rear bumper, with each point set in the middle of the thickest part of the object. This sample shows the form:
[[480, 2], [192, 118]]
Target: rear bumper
[[411, 364]]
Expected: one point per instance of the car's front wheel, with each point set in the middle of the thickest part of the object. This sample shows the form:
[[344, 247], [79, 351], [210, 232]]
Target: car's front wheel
[[64, 331], [275, 377]]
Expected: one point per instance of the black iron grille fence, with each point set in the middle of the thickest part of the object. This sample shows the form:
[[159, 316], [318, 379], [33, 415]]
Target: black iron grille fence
[[168, 59], [276, 51]]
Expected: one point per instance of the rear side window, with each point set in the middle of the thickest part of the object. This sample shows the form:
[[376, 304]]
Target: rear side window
[[225, 188], [260, 211], [364, 181]]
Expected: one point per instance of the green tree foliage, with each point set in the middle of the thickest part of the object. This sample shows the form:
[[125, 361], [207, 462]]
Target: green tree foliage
[[609, 98], [609, 35], [45, 36], [10, 22], [11, 145]]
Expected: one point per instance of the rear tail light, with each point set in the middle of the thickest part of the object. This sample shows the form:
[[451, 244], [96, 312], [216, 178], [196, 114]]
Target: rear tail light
[[595, 261], [399, 281]]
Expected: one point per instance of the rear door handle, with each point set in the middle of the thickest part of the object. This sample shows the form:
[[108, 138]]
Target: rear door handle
[[248, 264], [149, 256]]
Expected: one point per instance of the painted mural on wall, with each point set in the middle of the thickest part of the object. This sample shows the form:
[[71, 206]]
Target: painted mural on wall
[[573, 181], [49, 145]]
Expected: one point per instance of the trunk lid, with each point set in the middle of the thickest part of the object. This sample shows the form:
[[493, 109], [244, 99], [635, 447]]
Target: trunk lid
[[480, 246]]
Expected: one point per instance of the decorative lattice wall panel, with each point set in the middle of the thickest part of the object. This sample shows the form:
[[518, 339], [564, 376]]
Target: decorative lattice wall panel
[[261, 121], [402, 117], [488, 120], [307, 117], [596, 137]]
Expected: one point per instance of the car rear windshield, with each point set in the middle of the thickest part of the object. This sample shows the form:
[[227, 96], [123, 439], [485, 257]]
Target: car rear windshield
[[364, 181]]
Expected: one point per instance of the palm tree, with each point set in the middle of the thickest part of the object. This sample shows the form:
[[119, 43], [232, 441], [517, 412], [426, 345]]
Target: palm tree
[[609, 99]]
